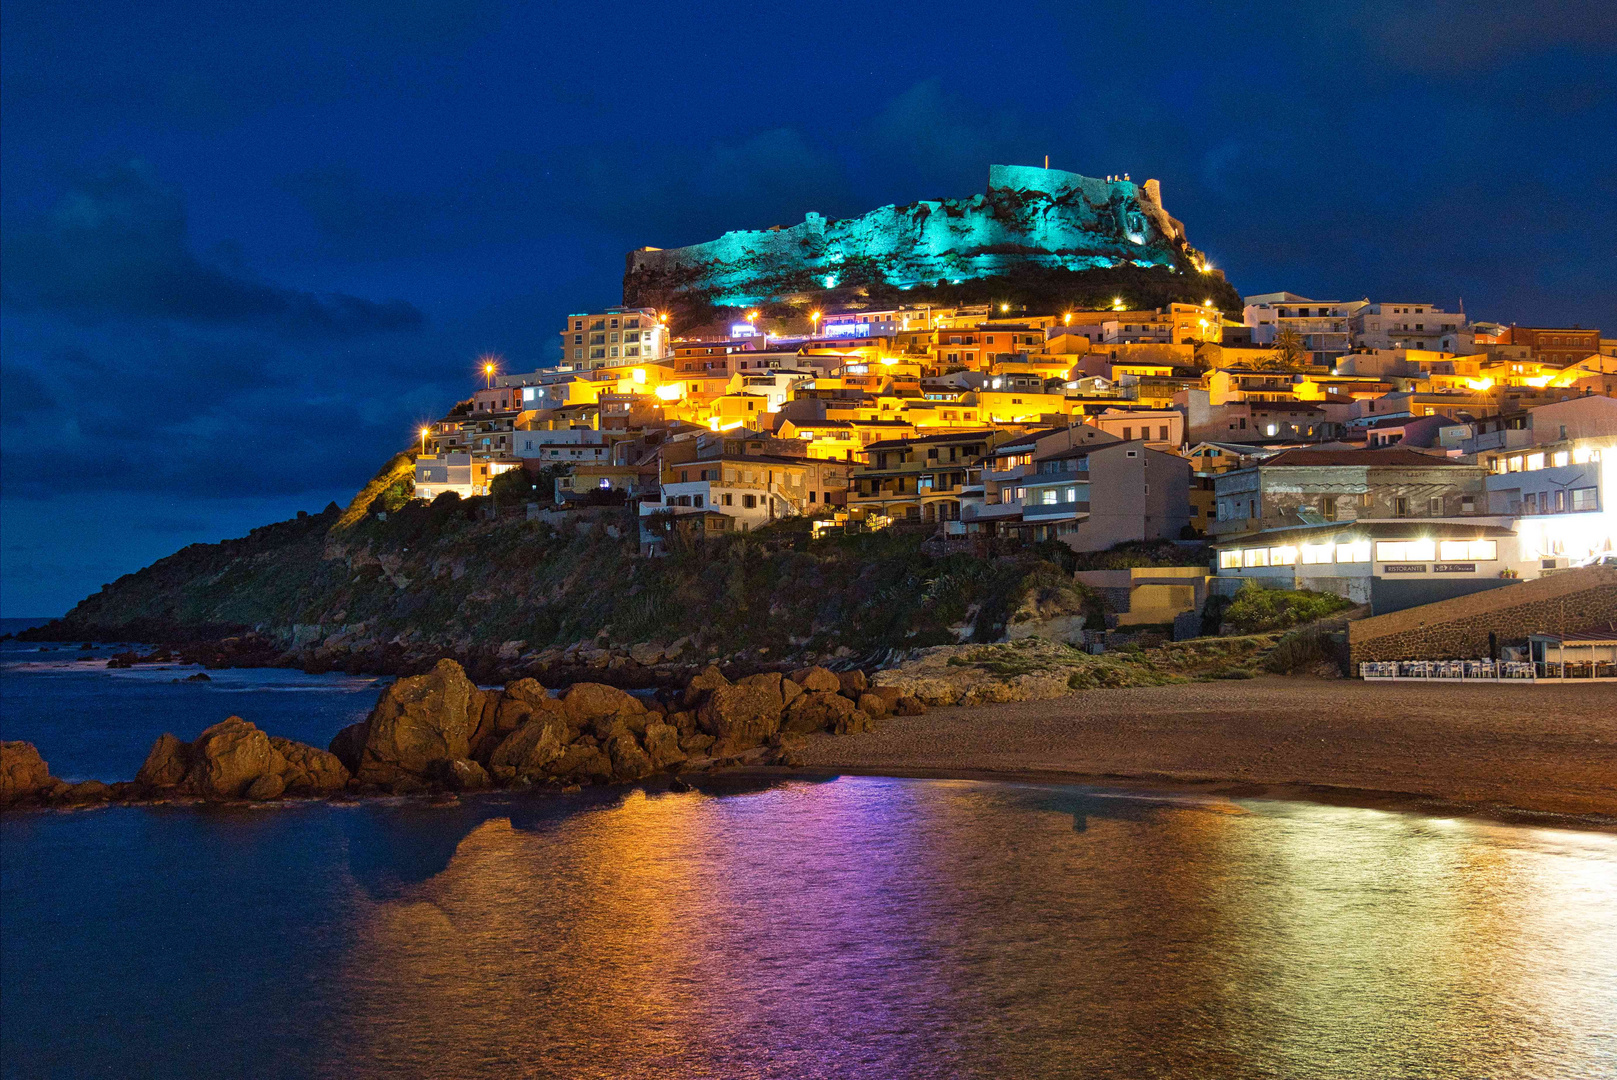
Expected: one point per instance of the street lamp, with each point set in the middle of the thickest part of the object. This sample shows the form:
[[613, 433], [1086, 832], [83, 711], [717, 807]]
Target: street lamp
[[814, 316], [488, 374], [423, 440]]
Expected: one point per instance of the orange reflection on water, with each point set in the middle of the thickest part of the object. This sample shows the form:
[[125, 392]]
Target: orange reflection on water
[[882, 928]]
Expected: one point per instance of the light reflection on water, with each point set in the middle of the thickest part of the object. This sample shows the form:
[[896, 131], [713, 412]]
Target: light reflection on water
[[858, 927]]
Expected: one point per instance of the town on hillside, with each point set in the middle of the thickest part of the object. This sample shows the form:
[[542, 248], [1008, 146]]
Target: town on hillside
[[1388, 452]]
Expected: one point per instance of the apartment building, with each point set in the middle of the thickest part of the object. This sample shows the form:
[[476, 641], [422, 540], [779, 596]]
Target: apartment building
[[1323, 325], [615, 337], [920, 479], [1411, 326]]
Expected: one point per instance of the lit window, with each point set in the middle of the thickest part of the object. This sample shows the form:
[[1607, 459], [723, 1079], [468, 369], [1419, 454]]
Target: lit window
[[1313, 554], [1255, 557], [1354, 552], [1283, 556], [1559, 458], [1406, 551], [1584, 499], [1535, 462], [1229, 560]]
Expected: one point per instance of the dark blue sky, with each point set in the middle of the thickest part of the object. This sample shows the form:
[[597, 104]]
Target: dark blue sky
[[246, 251]]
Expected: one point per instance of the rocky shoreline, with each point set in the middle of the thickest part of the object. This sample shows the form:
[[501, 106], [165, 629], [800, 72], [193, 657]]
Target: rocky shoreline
[[437, 734]]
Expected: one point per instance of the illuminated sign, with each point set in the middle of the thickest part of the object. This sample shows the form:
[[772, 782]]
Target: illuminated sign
[[854, 329], [1455, 568], [1403, 568], [743, 329]]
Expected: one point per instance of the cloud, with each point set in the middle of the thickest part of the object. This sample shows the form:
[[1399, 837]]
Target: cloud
[[116, 247]]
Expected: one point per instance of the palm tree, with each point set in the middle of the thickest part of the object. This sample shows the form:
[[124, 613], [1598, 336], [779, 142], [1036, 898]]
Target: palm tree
[[1290, 352]]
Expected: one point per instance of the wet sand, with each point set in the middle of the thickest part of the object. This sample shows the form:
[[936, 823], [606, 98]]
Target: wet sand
[[1504, 751]]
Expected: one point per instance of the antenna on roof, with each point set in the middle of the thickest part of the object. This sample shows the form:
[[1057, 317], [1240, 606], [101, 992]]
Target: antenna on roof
[[1047, 161]]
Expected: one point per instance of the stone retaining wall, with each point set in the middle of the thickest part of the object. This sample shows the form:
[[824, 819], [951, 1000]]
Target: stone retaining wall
[[1458, 629]]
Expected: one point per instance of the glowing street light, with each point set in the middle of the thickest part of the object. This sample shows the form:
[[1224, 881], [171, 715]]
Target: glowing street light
[[752, 316], [424, 440], [1003, 308], [814, 317], [1067, 319], [1117, 303]]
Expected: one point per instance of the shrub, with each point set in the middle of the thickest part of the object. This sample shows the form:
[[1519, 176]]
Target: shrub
[[1256, 609], [1302, 650]]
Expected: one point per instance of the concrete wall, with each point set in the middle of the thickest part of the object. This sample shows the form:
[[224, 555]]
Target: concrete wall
[[1458, 629]]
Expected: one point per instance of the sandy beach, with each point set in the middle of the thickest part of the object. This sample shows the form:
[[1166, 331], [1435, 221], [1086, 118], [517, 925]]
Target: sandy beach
[[1487, 749]]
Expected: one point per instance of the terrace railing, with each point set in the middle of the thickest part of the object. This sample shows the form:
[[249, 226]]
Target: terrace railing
[[1495, 671]]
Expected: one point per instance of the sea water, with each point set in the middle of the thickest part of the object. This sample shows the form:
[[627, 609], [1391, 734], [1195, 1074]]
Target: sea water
[[848, 927]]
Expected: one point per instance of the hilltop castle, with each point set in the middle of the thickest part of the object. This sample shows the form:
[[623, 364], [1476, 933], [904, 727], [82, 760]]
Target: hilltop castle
[[1028, 217]]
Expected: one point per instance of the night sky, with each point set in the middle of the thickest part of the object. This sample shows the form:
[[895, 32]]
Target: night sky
[[247, 251]]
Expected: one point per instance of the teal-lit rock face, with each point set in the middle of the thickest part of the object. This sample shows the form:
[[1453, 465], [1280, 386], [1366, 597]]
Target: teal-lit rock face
[[1028, 217]]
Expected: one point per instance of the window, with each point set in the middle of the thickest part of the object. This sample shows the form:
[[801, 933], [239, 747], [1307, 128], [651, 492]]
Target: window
[[1313, 554], [696, 500], [1535, 462], [1468, 550], [1400, 507], [1128, 435], [1353, 552], [1162, 433], [1435, 505], [1283, 556], [749, 501], [1405, 551], [1229, 560], [1072, 494], [1255, 557], [1585, 499]]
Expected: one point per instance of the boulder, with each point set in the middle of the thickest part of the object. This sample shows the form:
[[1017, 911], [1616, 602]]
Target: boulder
[[83, 793], [909, 706], [227, 757], [662, 745], [166, 764], [852, 723], [268, 786], [530, 748], [818, 679], [889, 696], [483, 734], [309, 768], [873, 705], [462, 774], [582, 761], [418, 722], [684, 720], [742, 716], [646, 653], [349, 744], [23, 773], [853, 683], [817, 711], [696, 743], [703, 683], [586, 701], [629, 761]]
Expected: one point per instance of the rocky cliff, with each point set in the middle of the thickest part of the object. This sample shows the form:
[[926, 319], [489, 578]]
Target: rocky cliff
[[509, 597], [1029, 218]]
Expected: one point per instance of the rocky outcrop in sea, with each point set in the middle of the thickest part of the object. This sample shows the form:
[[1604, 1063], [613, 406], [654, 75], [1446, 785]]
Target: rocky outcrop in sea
[[438, 733]]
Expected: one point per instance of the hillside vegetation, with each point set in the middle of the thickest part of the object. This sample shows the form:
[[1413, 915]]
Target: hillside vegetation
[[451, 578]]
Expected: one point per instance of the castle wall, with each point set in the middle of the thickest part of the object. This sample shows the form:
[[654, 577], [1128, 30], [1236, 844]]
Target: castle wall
[[1029, 216]]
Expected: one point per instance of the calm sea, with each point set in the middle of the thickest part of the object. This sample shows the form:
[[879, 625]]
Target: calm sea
[[856, 927]]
